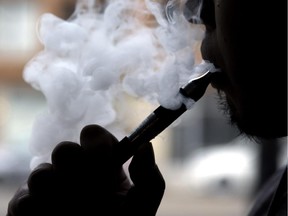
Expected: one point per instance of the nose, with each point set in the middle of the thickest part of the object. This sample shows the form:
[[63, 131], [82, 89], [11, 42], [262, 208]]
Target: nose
[[207, 14]]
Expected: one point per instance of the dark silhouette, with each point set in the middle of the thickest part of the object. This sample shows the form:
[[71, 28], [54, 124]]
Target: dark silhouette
[[247, 41]]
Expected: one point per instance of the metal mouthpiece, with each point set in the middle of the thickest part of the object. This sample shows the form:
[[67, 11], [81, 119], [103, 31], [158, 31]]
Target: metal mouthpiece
[[196, 88]]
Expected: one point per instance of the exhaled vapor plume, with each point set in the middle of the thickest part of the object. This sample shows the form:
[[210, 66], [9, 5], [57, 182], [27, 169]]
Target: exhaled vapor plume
[[105, 52]]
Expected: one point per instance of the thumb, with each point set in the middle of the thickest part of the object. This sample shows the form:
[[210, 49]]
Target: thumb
[[149, 184]]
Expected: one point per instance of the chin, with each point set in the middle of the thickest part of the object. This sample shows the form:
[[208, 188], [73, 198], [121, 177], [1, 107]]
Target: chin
[[258, 133], [261, 129], [255, 126]]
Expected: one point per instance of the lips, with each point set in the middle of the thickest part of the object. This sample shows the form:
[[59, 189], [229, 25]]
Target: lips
[[210, 53], [219, 78], [219, 81]]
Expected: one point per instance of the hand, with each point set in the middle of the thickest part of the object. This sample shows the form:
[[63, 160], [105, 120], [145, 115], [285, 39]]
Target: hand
[[84, 180]]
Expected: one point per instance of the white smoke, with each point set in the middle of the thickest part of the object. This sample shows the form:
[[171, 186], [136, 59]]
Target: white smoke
[[104, 51]]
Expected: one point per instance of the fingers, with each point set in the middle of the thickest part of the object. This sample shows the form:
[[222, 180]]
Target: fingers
[[98, 144], [33, 197], [149, 184], [41, 179], [144, 171], [109, 181], [67, 157], [20, 203], [95, 137], [79, 177]]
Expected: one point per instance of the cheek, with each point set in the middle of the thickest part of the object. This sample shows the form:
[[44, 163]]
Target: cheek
[[210, 49], [229, 56]]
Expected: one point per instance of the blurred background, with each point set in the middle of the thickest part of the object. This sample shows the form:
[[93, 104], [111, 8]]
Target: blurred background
[[209, 170]]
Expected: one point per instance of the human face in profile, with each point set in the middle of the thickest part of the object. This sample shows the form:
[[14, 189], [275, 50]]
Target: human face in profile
[[239, 40]]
